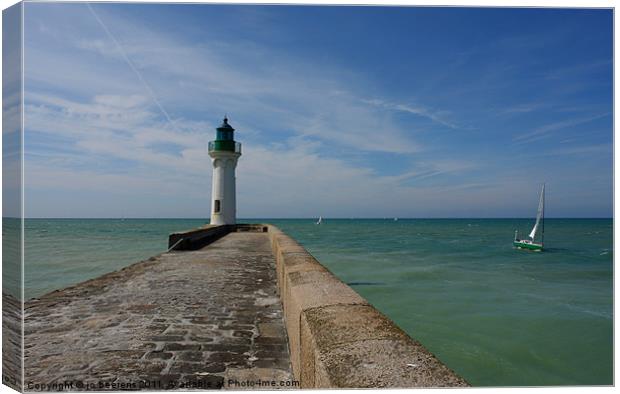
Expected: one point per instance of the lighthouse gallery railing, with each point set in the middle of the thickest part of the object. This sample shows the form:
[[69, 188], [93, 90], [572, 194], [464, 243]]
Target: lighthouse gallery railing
[[230, 146]]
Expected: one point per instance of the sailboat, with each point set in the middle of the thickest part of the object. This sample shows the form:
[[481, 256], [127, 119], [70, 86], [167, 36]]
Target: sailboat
[[320, 220], [540, 223]]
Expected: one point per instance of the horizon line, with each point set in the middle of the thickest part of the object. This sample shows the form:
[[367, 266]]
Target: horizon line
[[314, 217]]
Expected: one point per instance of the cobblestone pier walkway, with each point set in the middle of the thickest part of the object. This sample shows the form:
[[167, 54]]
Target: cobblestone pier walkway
[[191, 319]]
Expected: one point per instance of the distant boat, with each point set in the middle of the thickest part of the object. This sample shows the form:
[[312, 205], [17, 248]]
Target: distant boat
[[320, 220], [396, 219], [540, 223]]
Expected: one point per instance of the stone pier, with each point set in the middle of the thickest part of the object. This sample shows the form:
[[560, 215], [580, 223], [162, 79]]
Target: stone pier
[[226, 307]]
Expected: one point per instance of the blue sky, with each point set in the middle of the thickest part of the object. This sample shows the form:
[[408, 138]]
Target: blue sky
[[342, 111]]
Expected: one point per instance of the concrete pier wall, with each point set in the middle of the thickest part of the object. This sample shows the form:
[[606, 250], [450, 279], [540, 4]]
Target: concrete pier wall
[[337, 339]]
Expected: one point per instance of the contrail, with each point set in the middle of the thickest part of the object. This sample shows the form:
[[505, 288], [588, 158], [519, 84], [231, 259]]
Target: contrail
[[131, 65]]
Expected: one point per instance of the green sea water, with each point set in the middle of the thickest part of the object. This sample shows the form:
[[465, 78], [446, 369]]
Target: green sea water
[[496, 315]]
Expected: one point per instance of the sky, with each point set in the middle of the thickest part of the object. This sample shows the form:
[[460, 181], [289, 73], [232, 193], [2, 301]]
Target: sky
[[342, 111]]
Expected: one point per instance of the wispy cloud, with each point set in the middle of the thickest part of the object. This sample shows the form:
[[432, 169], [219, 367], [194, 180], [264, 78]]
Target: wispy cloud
[[147, 87], [583, 150], [525, 108], [439, 117], [542, 131], [426, 169], [575, 70], [224, 85]]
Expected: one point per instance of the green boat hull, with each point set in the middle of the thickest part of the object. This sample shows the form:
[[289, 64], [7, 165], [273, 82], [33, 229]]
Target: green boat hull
[[528, 246]]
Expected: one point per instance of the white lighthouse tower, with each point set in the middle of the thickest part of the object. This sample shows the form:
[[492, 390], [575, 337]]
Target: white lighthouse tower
[[224, 152]]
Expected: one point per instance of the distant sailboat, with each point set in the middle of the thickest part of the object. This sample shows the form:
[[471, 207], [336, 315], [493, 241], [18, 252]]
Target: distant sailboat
[[320, 220], [540, 223]]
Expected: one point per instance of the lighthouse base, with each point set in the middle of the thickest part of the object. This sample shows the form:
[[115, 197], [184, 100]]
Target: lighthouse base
[[219, 220]]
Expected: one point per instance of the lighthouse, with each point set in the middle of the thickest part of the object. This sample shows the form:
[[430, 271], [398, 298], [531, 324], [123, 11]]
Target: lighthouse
[[224, 152]]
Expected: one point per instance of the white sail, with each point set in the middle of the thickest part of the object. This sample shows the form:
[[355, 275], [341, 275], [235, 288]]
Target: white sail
[[541, 207]]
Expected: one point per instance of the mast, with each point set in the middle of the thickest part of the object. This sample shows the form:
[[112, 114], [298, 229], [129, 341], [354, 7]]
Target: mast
[[539, 213], [542, 239]]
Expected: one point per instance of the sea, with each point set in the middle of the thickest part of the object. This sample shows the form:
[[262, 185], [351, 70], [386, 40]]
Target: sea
[[496, 315]]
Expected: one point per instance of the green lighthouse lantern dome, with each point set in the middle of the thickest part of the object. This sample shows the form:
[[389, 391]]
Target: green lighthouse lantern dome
[[225, 131], [225, 139]]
